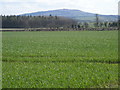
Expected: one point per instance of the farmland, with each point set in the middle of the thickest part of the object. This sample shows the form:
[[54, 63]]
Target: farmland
[[60, 59]]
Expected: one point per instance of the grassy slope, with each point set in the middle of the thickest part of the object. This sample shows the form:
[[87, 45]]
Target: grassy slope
[[60, 59]]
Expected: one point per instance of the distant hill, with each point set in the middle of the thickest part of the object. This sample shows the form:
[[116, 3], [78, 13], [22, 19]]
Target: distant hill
[[78, 15]]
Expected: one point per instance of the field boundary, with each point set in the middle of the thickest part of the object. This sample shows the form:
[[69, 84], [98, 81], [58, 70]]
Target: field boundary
[[57, 29]]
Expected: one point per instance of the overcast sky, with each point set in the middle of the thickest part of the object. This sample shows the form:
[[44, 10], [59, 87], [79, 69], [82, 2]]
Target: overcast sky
[[15, 7]]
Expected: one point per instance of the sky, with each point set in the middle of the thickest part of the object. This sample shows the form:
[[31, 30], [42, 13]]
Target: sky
[[16, 7]]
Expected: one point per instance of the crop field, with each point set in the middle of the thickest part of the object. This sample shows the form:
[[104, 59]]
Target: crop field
[[60, 59]]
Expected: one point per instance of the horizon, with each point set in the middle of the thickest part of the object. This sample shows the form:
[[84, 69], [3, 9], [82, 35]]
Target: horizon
[[15, 7], [54, 10]]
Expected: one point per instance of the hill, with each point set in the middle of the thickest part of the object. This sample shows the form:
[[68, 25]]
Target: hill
[[78, 15]]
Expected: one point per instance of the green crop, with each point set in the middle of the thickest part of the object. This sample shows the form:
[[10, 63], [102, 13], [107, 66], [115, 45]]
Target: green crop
[[60, 59]]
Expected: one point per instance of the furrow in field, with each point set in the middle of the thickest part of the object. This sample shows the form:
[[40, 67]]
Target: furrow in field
[[107, 62]]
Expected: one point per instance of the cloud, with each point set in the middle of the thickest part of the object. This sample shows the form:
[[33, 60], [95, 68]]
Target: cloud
[[27, 6]]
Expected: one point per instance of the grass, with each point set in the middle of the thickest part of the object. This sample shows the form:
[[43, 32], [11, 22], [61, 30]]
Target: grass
[[60, 59]]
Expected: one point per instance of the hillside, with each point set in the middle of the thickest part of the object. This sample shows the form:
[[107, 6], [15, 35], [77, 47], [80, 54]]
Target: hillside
[[74, 14]]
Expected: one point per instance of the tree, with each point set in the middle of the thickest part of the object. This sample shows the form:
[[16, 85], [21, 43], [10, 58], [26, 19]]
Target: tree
[[101, 24], [72, 26], [86, 25], [78, 26], [106, 24], [97, 20], [56, 17]]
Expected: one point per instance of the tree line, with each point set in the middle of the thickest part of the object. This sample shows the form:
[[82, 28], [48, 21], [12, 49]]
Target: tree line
[[95, 25], [36, 21], [50, 22]]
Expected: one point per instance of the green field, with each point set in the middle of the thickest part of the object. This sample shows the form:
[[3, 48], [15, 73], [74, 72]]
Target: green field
[[80, 59]]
